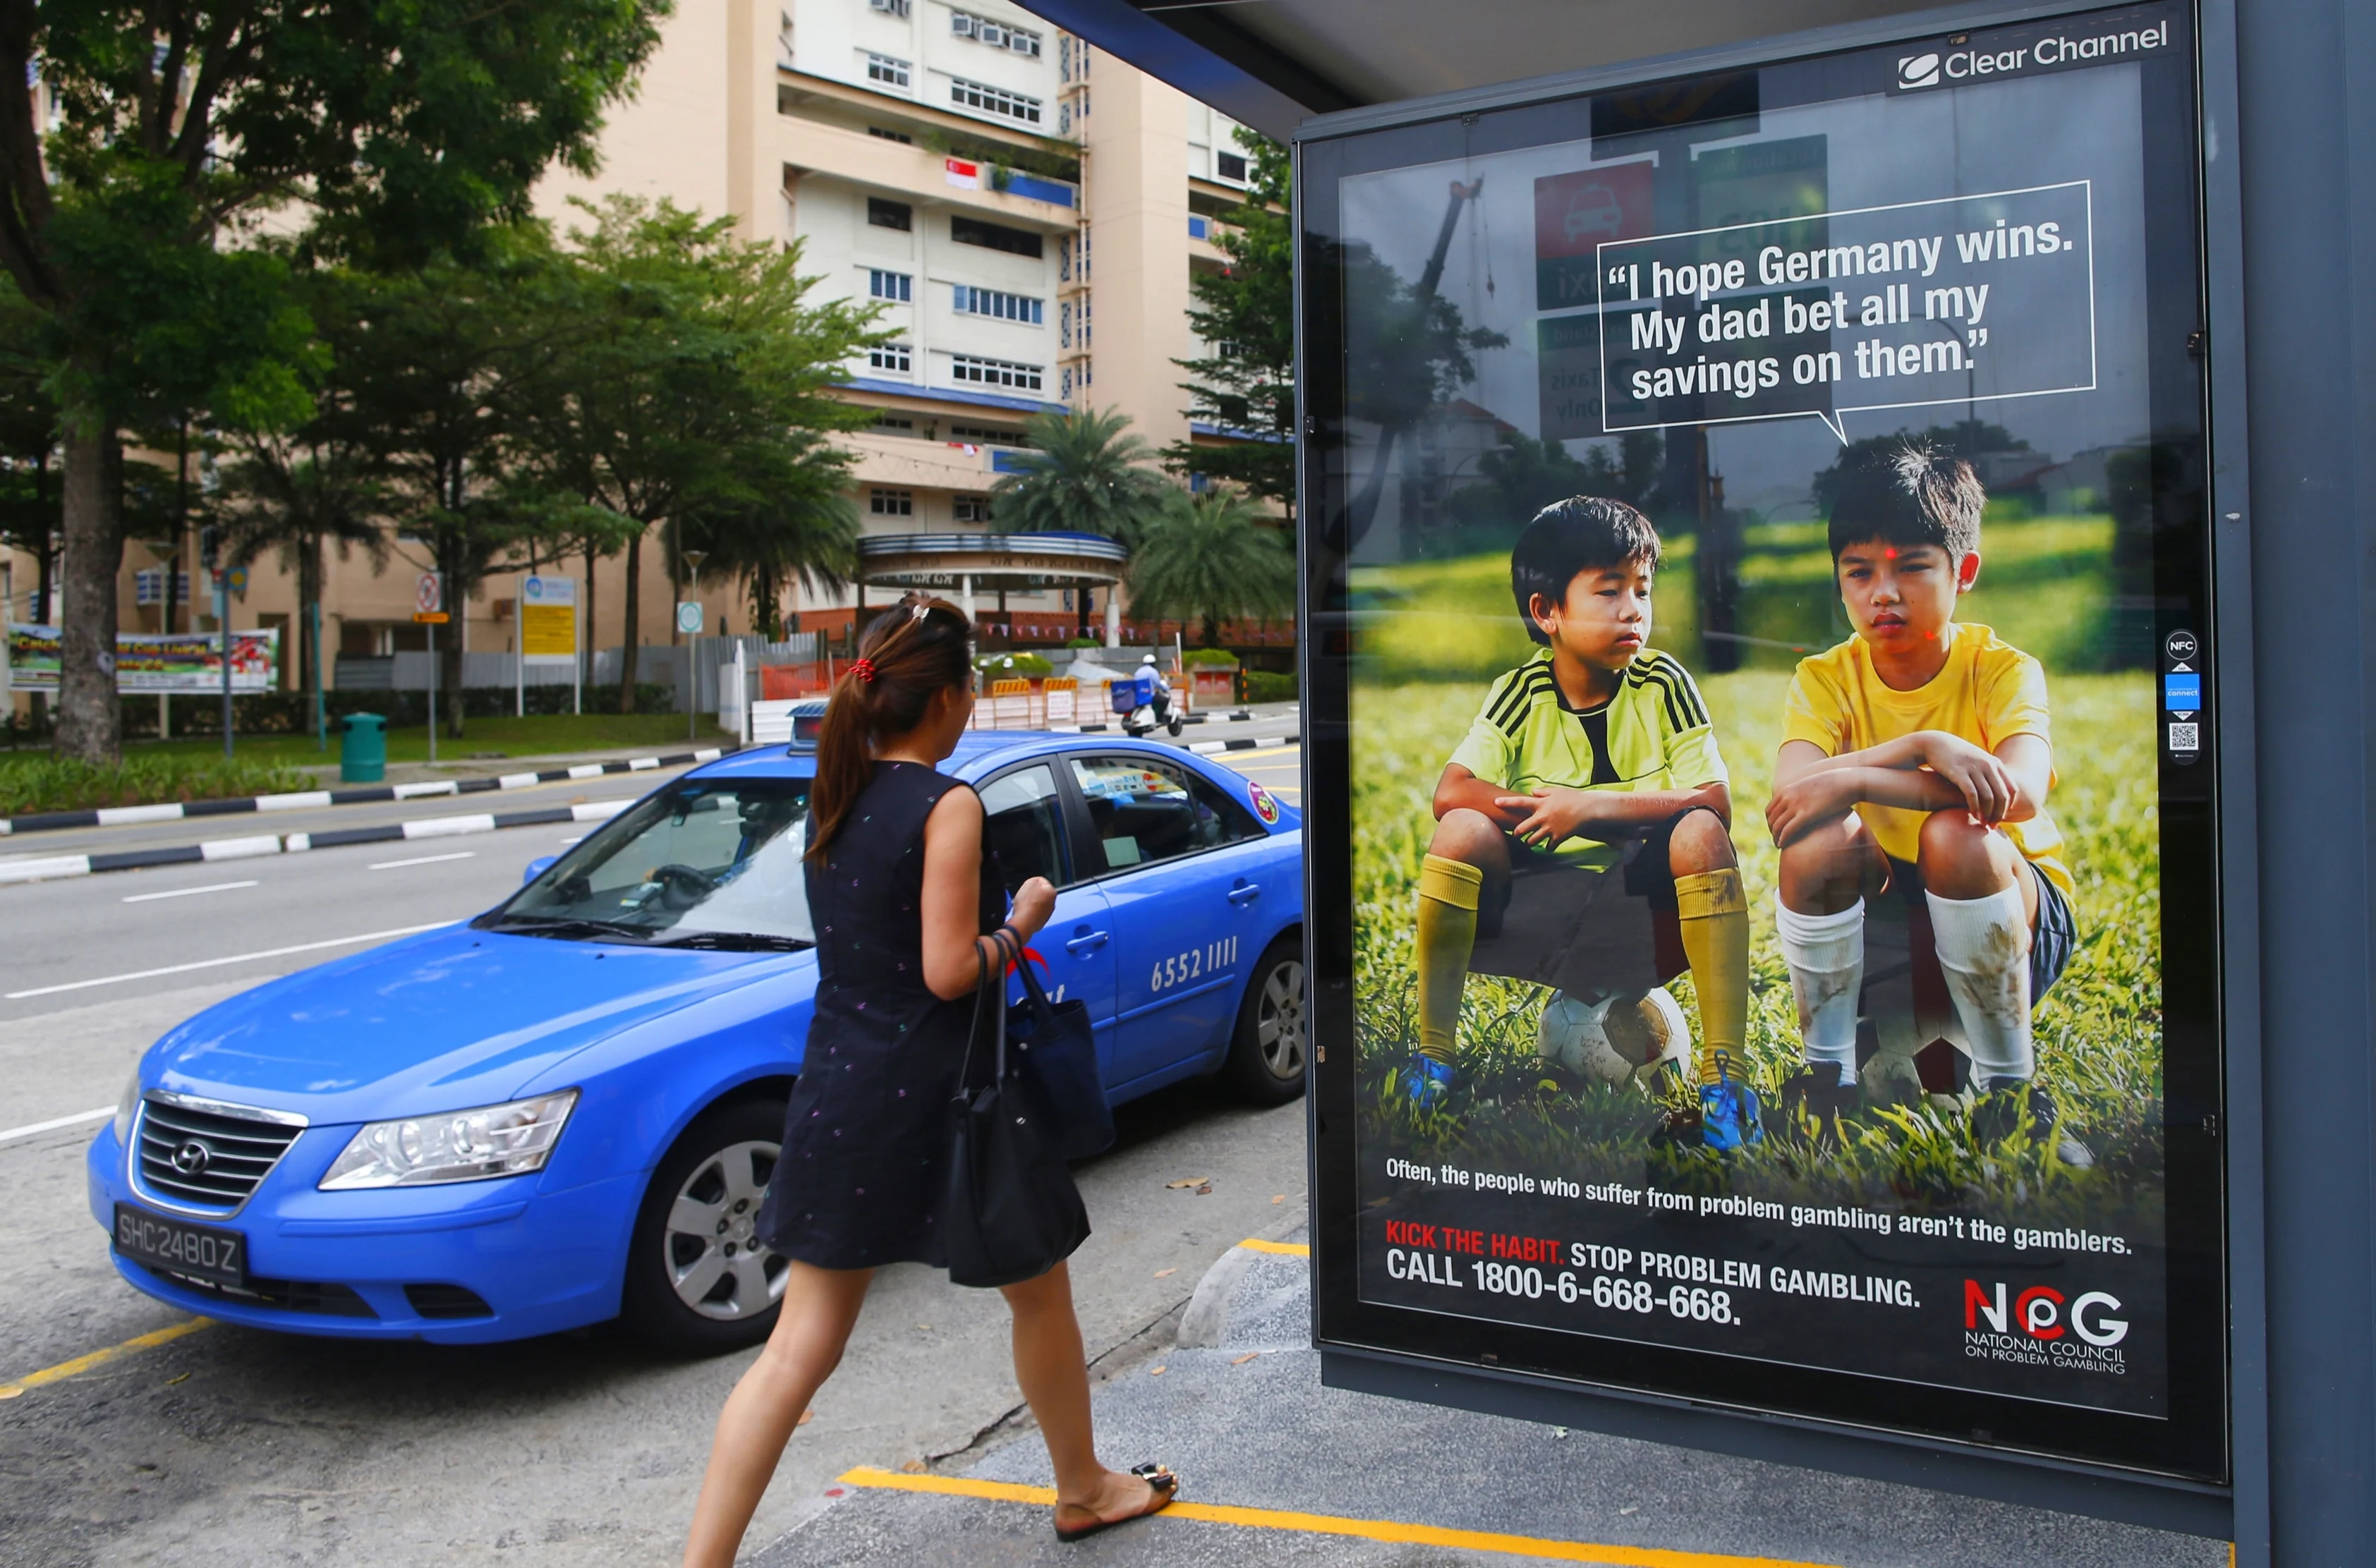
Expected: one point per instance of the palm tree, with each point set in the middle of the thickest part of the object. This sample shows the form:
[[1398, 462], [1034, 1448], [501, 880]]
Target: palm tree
[[1213, 556], [1086, 476], [296, 494], [794, 524]]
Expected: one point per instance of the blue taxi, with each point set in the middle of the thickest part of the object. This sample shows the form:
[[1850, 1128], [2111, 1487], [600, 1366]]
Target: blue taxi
[[567, 1110]]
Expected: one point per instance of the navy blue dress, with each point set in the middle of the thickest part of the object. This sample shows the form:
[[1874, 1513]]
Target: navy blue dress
[[865, 1162]]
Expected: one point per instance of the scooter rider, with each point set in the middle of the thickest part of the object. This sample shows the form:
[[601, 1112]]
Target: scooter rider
[[1161, 701]]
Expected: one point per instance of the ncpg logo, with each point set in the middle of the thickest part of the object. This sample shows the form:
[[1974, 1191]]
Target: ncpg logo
[[2038, 1313], [1917, 70]]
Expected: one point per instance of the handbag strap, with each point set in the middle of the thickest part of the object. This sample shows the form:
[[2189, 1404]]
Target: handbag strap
[[990, 981]]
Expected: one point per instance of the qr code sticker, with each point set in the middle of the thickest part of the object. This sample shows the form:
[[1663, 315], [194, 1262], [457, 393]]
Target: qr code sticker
[[2186, 737]]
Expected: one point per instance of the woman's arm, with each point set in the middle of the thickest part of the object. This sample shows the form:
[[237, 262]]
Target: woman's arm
[[955, 947]]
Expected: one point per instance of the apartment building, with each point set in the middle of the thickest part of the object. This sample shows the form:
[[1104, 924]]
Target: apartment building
[[1026, 209]]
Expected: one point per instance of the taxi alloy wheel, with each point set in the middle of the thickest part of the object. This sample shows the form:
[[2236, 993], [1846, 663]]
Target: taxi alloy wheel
[[1274, 1039], [715, 1260], [699, 1280]]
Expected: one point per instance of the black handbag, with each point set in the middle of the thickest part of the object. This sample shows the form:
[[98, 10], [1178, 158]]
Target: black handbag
[[1056, 1050], [1013, 1212]]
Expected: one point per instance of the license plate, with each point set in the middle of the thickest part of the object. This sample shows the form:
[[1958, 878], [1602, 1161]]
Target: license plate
[[199, 1251]]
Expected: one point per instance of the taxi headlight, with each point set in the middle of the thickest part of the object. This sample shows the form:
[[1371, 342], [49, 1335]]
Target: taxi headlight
[[457, 1146], [125, 1108]]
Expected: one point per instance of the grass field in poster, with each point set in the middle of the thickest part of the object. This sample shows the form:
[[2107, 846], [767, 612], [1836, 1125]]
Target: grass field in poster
[[1433, 634]]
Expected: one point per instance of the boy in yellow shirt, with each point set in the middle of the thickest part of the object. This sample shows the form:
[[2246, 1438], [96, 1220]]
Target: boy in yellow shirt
[[1913, 770], [1583, 831]]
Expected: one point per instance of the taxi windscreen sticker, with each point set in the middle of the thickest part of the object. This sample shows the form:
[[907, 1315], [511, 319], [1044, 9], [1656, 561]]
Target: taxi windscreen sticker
[[1265, 804]]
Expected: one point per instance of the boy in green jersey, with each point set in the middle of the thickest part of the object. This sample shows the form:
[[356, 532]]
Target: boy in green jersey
[[1583, 828]]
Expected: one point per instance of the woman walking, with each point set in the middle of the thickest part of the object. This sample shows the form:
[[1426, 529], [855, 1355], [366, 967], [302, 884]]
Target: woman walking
[[908, 914]]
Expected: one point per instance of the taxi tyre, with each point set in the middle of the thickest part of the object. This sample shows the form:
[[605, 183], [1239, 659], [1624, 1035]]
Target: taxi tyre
[[650, 1306], [1245, 1070]]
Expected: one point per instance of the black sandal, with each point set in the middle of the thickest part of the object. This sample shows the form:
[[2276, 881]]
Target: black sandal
[[1159, 1480]]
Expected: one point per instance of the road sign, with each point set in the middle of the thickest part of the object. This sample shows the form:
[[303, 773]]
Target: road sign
[[430, 617], [548, 617], [428, 593], [688, 617]]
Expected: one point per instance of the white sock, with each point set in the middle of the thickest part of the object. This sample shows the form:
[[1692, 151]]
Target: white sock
[[1983, 947], [1826, 957]]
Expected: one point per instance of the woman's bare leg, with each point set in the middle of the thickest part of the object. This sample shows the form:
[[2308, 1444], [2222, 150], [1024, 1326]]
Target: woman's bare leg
[[820, 1308], [1054, 1375]]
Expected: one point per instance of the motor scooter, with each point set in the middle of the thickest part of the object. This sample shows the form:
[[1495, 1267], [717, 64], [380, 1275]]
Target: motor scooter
[[1144, 706]]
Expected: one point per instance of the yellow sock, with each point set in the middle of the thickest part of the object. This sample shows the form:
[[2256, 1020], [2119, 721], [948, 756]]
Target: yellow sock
[[1448, 890], [1716, 940]]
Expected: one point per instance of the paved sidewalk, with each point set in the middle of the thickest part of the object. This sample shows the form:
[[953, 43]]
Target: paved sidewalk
[[1259, 1442]]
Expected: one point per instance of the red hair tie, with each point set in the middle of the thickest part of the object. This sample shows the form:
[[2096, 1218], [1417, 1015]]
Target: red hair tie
[[863, 670]]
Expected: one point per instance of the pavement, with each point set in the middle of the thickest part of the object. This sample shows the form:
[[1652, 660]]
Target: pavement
[[1276, 1469]]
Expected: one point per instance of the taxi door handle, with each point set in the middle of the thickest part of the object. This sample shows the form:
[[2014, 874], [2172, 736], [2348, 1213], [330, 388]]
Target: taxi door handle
[[1245, 893], [1084, 941]]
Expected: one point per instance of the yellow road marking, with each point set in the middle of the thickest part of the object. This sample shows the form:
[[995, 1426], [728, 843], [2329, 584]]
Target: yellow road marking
[[1251, 753], [1392, 1531], [1285, 1248], [81, 1364]]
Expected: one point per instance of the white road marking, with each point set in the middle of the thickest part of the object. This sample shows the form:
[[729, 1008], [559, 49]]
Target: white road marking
[[422, 860], [185, 891], [55, 1122], [579, 839], [219, 963]]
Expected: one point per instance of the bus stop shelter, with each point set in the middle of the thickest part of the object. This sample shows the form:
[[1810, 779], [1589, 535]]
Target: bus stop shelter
[[2252, 329]]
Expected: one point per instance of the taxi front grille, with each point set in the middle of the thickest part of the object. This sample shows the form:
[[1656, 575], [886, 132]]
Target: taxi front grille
[[209, 1158]]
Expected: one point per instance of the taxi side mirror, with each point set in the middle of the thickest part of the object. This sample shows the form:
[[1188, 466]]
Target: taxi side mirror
[[538, 867]]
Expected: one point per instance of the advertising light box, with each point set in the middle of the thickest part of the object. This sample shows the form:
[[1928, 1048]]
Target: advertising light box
[[1760, 814]]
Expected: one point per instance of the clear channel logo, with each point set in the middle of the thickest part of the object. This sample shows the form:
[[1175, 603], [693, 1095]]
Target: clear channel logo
[[1917, 70]]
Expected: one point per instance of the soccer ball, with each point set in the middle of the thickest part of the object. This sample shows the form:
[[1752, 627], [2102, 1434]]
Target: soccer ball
[[1649, 1033]]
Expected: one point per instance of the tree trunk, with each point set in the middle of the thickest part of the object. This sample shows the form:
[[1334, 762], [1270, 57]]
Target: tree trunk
[[309, 593], [627, 638], [449, 659], [90, 718]]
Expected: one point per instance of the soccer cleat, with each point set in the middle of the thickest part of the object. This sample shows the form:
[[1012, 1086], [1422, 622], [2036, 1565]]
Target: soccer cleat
[[1427, 1080], [1727, 1116], [1997, 1115], [1818, 1096]]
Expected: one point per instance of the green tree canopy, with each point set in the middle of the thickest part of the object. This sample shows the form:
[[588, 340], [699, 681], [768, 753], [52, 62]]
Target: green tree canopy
[[1212, 557], [142, 144], [1246, 311], [1521, 476], [695, 378]]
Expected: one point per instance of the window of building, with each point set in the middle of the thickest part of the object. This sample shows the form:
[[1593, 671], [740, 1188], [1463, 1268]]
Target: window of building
[[891, 502], [990, 100], [994, 373], [889, 8], [994, 236], [971, 301], [902, 138], [971, 508], [896, 422], [885, 285], [988, 432], [998, 35], [897, 358], [1231, 166], [890, 214], [884, 69]]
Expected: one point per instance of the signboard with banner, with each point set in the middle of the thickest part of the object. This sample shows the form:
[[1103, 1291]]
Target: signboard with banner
[[188, 661], [1760, 718], [548, 617]]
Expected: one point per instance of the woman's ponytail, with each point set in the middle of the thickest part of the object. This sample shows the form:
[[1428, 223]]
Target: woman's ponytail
[[907, 655]]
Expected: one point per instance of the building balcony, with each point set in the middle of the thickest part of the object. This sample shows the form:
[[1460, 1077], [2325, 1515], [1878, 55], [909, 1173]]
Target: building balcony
[[922, 176]]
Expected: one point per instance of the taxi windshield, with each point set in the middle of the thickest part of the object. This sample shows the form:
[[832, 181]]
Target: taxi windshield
[[706, 863]]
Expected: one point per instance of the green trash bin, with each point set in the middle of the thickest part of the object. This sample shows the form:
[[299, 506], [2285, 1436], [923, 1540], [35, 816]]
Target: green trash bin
[[362, 749]]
